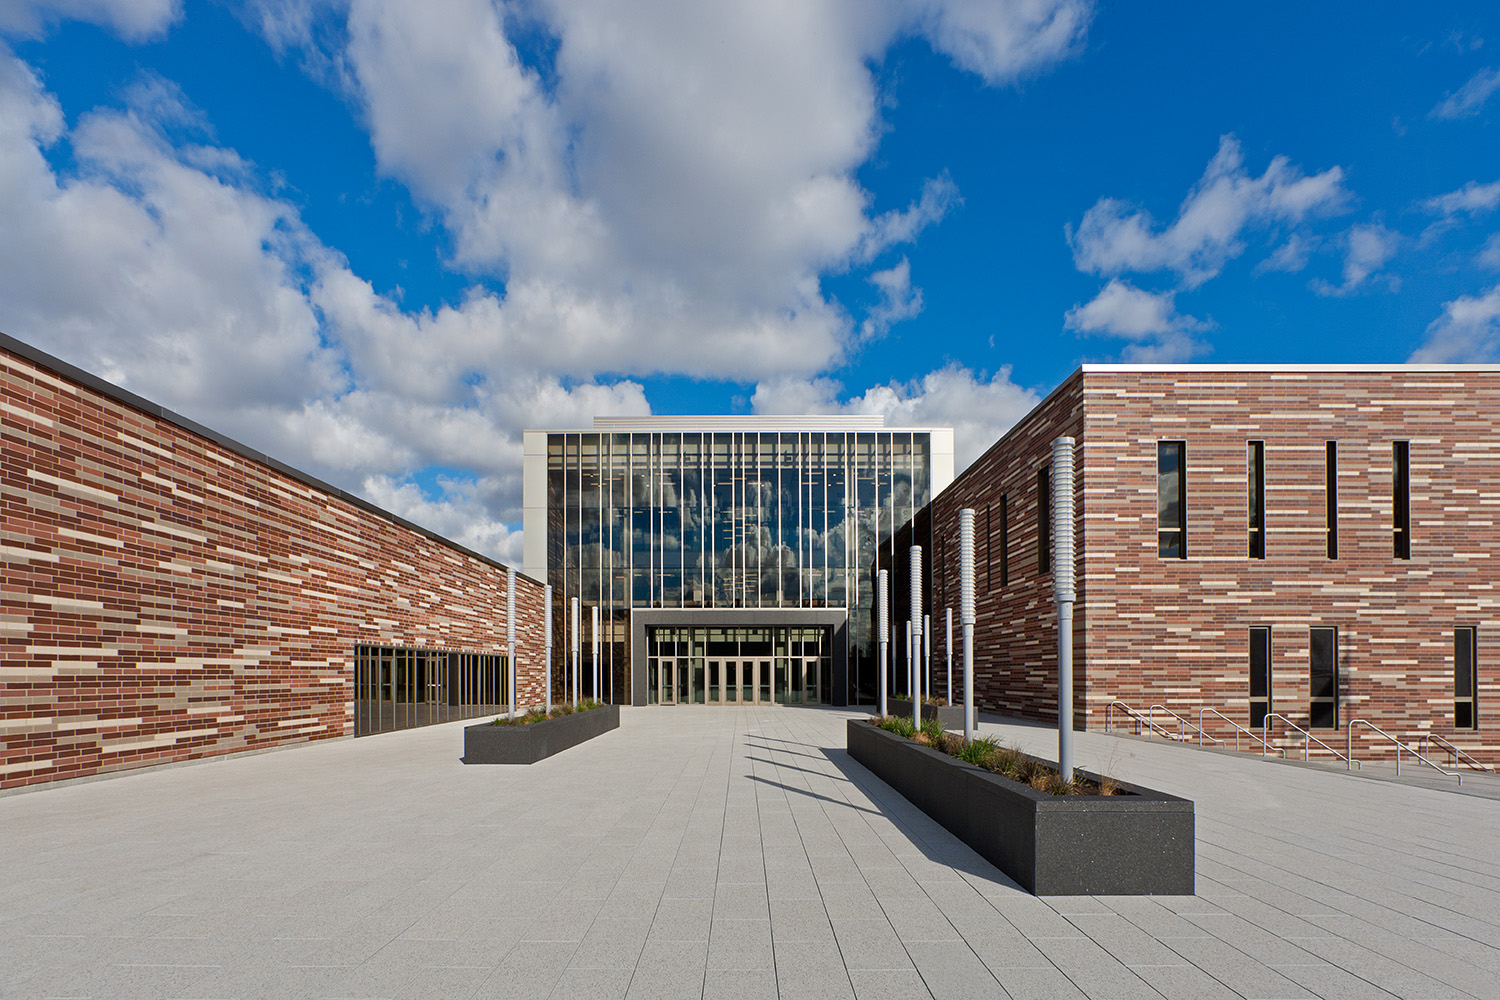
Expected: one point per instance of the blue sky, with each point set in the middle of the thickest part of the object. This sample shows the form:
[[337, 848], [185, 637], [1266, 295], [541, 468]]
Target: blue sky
[[379, 239]]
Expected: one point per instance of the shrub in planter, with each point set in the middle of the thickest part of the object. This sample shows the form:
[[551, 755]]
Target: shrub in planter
[[534, 736]]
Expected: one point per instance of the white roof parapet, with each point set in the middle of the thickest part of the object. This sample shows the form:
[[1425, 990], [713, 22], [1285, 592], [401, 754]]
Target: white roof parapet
[[775, 422]]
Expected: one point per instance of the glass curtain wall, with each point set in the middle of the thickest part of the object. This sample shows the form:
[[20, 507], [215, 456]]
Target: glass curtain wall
[[724, 519]]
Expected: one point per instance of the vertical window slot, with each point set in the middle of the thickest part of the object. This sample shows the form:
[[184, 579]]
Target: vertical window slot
[[1004, 541], [1255, 499], [1171, 499], [1260, 675], [1323, 678], [1331, 495], [1401, 498], [1465, 713]]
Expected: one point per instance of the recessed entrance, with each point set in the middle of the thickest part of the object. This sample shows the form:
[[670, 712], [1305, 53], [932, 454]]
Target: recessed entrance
[[739, 666]]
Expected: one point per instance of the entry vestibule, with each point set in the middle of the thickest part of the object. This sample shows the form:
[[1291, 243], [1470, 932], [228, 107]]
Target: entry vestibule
[[787, 665]]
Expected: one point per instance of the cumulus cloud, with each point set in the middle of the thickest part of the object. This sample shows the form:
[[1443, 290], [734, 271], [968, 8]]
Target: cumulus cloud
[[1150, 320], [1472, 199], [133, 20], [978, 408], [663, 191], [1489, 256], [1291, 256], [1115, 238], [1469, 99], [1367, 249], [1467, 331]]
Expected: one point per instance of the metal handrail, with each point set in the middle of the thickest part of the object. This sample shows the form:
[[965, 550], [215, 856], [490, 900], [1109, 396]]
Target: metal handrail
[[1399, 747], [1181, 734], [1237, 730], [1458, 755], [1307, 739], [1137, 716]]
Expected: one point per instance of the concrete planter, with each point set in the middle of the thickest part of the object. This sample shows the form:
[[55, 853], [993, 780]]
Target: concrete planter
[[951, 716], [1139, 843], [487, 743]]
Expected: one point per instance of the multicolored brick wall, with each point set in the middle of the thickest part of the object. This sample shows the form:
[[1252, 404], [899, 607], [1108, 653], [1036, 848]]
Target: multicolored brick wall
[[1176, 632], [167, 595]]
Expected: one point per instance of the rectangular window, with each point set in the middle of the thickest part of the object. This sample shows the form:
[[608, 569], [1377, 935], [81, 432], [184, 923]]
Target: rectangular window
[[1004, 540], [989, 551], [1171, 499], [1465, 712], [1331, 495], [1255, 500], [1260, 675], [1043, 520], [1323, 678], [1401, 498]]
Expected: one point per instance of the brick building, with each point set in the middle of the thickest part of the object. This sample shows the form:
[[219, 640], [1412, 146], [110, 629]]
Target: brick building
[[171, 594], [1317, 542]]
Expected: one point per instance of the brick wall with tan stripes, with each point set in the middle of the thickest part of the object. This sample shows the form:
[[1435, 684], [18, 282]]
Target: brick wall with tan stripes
[[166, 597], [1175, 632]]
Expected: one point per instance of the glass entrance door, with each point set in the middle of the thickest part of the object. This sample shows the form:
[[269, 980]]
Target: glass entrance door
[[812, 680], [666, 675]]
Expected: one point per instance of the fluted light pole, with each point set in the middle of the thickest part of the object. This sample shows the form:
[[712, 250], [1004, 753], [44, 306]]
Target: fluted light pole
[[948, 648], [547, 642], [577, 654], [916, 632], [966, 611], [882, 628], [598, 667], [510, 636], [1062, 591]]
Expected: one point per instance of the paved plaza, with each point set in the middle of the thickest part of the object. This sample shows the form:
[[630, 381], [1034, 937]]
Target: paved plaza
[[717, 853]]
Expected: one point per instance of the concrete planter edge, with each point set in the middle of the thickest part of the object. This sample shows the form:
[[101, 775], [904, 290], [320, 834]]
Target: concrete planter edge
[[487, 743], [1053, 845]]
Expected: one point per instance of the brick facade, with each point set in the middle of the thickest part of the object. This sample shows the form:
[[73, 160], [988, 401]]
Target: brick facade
[[1175, 632], [169, 595]]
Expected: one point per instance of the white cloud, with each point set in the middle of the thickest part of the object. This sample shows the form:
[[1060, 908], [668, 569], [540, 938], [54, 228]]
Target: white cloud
[[979, 409], [1471, 97], [1114, 238], [1489, 256], [133, 20], [1150, 320], [1473, 198], [1291, 256], [898, 299], [1001, 41], [460, 513], [167, 271], [1467, 331], [669, 196], [1367, 249]]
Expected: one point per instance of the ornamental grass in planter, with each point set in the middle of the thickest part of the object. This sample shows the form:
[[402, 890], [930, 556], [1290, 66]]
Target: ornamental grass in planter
[[1008, 761], [535, 735], [1091, 835], [536, 714]]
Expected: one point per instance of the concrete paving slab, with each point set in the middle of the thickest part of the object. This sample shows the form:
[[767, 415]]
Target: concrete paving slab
[[718, 852]]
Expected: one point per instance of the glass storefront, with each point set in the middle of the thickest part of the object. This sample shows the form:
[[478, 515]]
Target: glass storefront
[[396, 687], [785, 665]]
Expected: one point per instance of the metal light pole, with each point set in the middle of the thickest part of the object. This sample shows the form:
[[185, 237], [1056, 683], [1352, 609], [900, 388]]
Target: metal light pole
[[948, 647], [1062, 592], [882, 627], [577, 655], [547, 641], [926, 656], [598, 667], [916, 630], [510, 636], [966, 611]]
